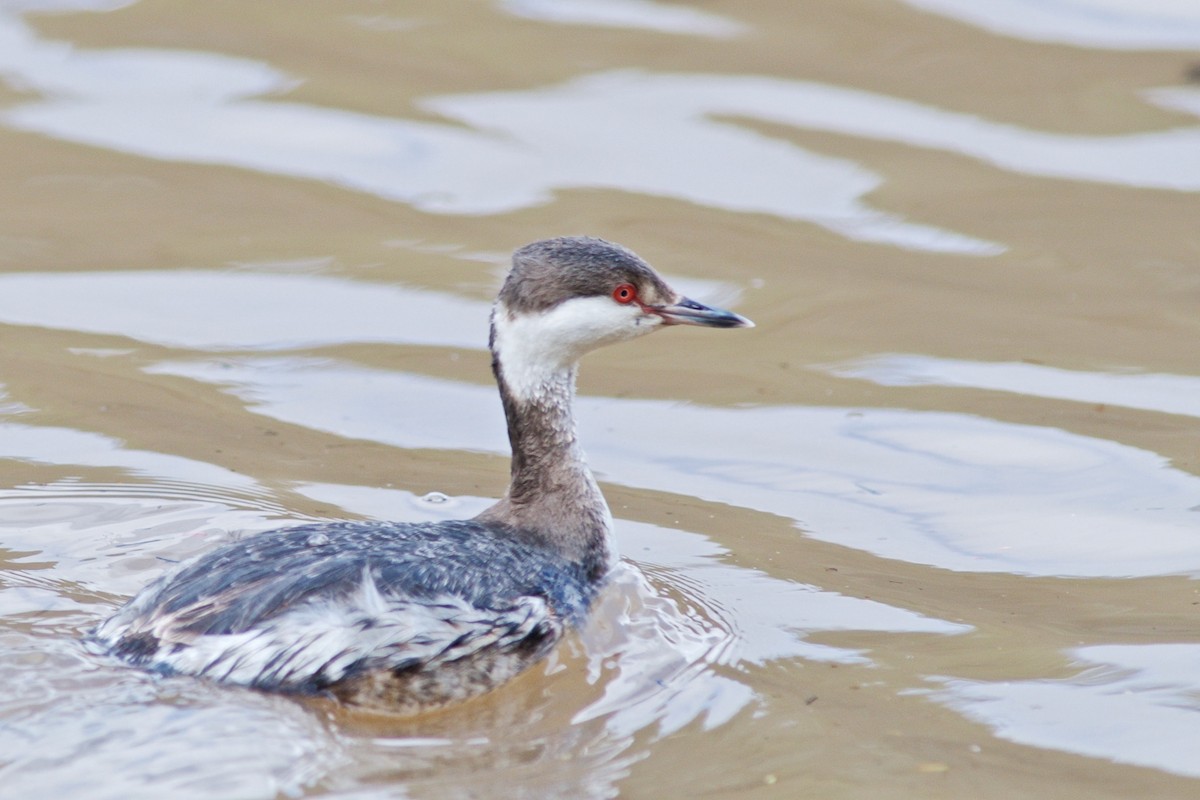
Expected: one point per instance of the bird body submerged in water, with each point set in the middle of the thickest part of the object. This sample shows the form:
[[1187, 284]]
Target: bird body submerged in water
[[412, 616]]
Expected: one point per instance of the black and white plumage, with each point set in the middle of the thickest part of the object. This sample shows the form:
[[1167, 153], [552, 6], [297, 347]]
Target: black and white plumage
[[411, 616]]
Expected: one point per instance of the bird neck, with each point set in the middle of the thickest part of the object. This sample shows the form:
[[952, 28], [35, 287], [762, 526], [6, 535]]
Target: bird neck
[[552, 498]]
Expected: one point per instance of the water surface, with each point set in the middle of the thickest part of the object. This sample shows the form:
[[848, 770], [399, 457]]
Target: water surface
[[932, 529]]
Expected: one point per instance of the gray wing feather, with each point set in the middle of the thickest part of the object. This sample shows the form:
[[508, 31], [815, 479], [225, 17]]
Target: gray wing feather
[[329, 639]]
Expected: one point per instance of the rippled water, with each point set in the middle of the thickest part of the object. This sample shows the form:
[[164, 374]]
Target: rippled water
[[931, 529]]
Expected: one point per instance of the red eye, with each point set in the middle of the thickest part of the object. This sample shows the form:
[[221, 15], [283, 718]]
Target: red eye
[[625, 293]]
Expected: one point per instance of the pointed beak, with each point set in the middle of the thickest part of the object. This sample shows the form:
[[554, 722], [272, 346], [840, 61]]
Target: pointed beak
[[689, 312]]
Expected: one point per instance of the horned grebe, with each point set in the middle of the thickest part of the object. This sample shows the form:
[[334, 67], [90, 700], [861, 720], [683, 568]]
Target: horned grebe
[[406, 617]]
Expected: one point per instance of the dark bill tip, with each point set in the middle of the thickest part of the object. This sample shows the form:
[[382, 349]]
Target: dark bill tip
[[689, 312]]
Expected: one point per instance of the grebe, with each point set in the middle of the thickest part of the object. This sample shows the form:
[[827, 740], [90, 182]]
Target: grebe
[[406, 617]]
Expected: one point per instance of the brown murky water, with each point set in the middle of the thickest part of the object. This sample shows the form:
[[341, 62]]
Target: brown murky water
[[930, 530]]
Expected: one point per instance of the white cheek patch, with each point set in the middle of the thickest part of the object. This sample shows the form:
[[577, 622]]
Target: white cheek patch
[[540, 350]]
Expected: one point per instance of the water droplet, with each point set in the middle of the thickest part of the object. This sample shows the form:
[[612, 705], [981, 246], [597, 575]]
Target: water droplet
[[317, 539], [435, 498]]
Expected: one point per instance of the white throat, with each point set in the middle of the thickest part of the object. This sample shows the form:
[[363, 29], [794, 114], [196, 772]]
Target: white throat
[[538, 351]]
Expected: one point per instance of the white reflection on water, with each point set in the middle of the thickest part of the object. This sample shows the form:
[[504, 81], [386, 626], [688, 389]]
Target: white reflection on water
[[1170, 394], [634, 14], [70, 729], [68, 735], [1134, 704], [681, 103], [1114, 24], [89, 532], [52, 445], [1177, 98], [630, 131], [9, 407], [955, 491], [61, 6], [256, 310], [233, 310]]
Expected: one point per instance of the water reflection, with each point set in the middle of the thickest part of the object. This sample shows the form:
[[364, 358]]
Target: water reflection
[[9, 407], [1113, 24], [633, 14], [1169, 394], [955, 491], [70, 729], [60, 6], [257, 310], [524, 146], [67, 733], [680, 105], [114, 539], [1176, 98], [231, 310], [53, 445], [1132, 704]]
